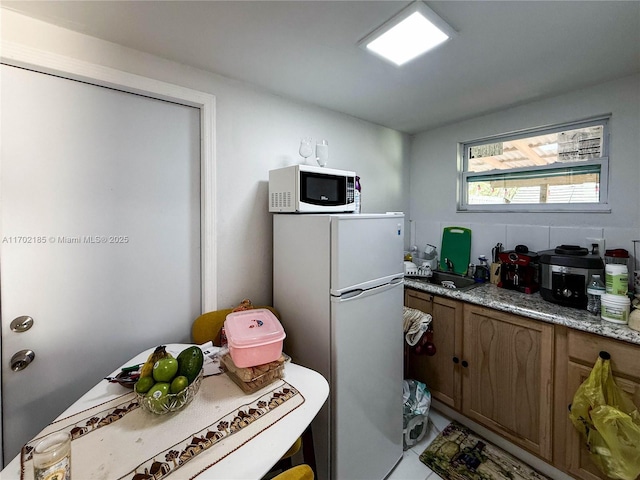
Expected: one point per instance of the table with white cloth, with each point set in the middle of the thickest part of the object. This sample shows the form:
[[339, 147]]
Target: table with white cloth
[[223, 433]]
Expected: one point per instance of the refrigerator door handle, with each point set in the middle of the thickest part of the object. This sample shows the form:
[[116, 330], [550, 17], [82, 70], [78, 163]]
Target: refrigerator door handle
[[369, 284], [351, 294], [359, 292]]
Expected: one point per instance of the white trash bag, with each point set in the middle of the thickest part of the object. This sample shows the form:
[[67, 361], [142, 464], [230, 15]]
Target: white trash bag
[[416, 399]]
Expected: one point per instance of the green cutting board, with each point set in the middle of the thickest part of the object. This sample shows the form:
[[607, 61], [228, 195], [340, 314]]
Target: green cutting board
[[456, 246]]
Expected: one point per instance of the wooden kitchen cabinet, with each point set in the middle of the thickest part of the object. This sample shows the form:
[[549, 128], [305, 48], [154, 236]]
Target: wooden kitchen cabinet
[[507, 376], [493, 367], [577, 352], [517, 376], [438, 372]]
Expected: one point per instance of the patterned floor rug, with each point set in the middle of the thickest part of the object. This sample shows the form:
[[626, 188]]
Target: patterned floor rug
[[458, 453]]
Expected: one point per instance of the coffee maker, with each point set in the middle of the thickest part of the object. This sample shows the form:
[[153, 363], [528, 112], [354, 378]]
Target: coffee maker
[[519, 270]]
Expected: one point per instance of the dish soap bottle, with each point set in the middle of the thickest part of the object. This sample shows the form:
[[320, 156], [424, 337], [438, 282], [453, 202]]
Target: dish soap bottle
[[595, 289], [481, 273]]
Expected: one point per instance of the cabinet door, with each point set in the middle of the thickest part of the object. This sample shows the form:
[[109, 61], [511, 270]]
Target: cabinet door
[[507, 376], [579, 463], [580, 353], [439, 372]]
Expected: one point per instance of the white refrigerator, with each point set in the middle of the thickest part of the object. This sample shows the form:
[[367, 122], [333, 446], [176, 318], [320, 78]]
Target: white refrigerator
[[338, 285]]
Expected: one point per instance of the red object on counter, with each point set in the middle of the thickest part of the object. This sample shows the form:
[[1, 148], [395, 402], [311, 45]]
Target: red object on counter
[[519, 271], [514, 258], [617, 253]]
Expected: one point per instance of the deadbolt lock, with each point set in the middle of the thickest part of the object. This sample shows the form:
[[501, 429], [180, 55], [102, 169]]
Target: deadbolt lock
[[21, 324]]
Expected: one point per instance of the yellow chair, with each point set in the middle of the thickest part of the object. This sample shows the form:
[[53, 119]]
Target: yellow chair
[[207, 327], [299, 472]]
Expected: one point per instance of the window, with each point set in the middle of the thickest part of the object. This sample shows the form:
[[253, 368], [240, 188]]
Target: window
[[558, 168]]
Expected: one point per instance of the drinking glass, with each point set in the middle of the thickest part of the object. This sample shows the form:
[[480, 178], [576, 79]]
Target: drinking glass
[[52, 457], [305, 149], [322, 153]]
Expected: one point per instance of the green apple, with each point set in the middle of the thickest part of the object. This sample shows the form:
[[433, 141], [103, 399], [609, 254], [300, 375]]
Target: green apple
[[179, 384], [165, 369], [158, 394], [144, 384]]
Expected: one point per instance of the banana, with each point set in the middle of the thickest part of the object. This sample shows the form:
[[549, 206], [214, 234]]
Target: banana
[[159, 353]]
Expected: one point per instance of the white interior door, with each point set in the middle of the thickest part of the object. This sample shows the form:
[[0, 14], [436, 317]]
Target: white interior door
[[100, 237]]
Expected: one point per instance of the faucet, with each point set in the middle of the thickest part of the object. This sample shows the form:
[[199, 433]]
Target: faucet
[[449, 264], [471, 271]]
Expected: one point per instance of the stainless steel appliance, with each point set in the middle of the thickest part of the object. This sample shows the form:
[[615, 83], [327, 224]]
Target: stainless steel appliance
[[565, 272], [338, 285]]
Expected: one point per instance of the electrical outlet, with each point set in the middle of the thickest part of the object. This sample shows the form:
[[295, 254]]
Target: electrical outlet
[[596, 241]]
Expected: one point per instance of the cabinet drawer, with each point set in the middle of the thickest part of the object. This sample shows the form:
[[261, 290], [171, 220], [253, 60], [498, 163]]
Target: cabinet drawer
[[585, 347], [419, 300]]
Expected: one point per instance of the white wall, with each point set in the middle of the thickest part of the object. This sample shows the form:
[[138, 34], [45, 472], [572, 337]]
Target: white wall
[[255, 132], [434, 175]]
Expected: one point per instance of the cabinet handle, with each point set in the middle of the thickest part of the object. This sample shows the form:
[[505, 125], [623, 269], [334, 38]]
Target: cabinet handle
[[465, 364], [456, 360]]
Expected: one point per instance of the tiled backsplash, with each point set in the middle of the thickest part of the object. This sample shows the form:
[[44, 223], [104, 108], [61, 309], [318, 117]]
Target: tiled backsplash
[[537, 237]]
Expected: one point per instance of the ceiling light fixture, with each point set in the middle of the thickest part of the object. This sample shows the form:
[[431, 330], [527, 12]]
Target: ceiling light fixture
[[412, 32]]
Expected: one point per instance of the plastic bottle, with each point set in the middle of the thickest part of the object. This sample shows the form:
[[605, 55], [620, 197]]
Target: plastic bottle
[[617, 279], [481, 274], [595, 290], [357, 195]]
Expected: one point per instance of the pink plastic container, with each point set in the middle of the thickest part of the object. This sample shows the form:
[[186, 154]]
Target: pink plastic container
[[254, 337]]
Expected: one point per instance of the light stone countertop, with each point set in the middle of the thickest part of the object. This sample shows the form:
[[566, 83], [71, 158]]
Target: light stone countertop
[[530, 306]]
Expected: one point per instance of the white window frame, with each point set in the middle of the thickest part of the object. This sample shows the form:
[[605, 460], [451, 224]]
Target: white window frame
[[603, 162]]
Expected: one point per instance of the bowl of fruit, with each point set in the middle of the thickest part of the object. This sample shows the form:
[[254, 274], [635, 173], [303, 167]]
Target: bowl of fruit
[[169, 384]]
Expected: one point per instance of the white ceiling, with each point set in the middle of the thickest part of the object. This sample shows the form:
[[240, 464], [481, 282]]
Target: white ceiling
[[506, 52]]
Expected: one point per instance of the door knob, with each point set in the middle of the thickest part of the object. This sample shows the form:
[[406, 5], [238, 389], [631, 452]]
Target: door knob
[[22, 359], [21, 324]]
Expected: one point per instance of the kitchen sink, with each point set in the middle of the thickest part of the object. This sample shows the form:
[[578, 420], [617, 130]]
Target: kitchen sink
[[459, 282]]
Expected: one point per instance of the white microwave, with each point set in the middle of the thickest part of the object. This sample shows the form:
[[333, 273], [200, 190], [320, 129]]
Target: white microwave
[[311, 189]]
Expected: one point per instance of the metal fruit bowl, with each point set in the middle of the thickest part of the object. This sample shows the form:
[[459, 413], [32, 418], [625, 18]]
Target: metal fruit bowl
[[172, 402]]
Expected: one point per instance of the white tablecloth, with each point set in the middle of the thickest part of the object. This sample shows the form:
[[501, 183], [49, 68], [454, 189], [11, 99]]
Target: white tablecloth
[[247, 454]]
